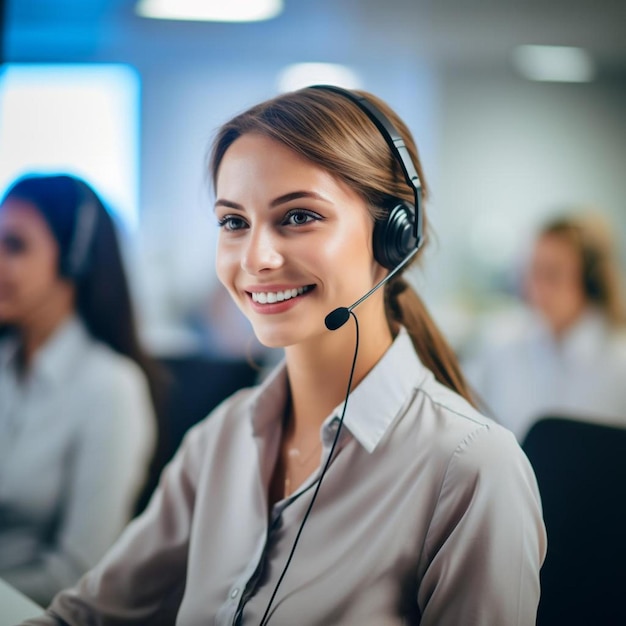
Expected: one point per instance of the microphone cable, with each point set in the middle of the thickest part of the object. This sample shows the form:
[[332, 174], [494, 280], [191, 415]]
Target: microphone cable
[[266, 616]]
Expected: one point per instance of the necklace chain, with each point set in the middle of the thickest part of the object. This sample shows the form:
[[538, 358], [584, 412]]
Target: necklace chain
[[293, 454]]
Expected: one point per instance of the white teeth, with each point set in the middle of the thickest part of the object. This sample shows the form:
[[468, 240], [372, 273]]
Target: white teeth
[[270, 297]]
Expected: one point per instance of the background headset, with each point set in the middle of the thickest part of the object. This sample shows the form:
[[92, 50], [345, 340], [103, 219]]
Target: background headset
[[75, 262], [594, 259], [397, 238]]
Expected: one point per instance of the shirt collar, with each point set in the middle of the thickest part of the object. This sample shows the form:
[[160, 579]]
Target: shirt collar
[[57, 355], [380, 397], [8, 350], [582, 338], [587, 334], [372, 407], [61, 352]]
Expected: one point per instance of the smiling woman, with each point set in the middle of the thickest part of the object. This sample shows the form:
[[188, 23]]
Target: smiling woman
[[405, 504], [291, 233]]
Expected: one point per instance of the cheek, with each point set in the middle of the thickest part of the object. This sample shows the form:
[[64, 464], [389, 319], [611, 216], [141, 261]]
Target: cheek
[[38, 277], [26, 282], [573, 296], [348, 249], [26, 270], [226, 265]]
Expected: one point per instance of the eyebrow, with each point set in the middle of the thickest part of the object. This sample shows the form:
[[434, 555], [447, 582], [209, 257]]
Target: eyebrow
[[288, 197]]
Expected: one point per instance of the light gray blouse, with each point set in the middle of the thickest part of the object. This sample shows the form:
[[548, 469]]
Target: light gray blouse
[[429, 514], [76, 437]]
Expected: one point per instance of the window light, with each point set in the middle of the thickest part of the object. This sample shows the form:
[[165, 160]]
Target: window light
[[554, 63], [210, 10]]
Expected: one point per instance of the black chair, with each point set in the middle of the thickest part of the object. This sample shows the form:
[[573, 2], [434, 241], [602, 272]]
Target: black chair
[[581, 471], [195, 386]]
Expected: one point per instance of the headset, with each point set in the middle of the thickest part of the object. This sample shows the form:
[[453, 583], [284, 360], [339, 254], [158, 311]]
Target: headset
[[593, 260], [399, 232], [75, 262]]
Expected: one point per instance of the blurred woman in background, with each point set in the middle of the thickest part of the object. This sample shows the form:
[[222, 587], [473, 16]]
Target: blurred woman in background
[[569, 358], [77, 425]]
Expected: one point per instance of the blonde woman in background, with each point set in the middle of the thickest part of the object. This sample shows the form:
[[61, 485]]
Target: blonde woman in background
[[568, 358]]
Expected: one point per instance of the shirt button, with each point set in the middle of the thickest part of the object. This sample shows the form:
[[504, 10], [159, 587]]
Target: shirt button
[[234, 593]]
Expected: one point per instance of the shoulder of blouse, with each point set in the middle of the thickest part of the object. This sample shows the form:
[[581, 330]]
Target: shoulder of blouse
[[462, 428]]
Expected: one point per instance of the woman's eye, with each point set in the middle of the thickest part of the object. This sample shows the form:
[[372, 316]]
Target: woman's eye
[[13, 245], [231, 222], [300, 218]]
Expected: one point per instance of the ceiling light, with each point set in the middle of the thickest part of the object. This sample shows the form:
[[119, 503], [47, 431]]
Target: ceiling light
[[554, 63], [210, 10], [302, 75]]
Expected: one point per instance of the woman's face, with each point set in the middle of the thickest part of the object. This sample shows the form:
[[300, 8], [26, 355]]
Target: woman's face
[[294, 242], [554, 282], [28, 262]]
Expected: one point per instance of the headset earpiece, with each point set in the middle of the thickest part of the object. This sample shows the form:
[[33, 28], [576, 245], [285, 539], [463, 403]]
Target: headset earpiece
[[591, 271], [394, 236]]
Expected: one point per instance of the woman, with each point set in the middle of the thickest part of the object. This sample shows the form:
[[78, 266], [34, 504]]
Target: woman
[[424, 511], [568, 358], [77, 424]]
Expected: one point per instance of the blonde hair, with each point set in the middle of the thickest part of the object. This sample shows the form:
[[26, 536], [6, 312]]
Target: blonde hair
[[330, 131]]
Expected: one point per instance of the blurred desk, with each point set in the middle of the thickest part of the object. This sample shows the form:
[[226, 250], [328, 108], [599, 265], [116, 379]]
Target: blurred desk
[[15, 606]]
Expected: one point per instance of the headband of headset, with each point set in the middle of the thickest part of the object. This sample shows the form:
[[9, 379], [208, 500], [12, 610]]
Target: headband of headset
[[397, 146]]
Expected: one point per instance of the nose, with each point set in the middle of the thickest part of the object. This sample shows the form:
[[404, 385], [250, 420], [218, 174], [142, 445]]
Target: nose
[[262, 252]]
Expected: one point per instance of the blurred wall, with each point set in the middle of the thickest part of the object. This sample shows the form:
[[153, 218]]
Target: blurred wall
[[510, 153], [500, 153]]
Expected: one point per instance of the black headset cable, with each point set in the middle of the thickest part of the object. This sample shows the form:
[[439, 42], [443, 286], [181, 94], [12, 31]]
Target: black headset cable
[[266, 616]]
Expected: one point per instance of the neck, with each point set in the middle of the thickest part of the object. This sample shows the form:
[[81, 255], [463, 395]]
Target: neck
[[561, 328], [319, 370], [35, 331]]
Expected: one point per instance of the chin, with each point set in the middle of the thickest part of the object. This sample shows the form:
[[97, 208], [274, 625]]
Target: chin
[[6, 316], [283, 336], [275, 340]]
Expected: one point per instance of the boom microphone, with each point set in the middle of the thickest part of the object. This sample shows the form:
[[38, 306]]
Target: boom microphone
[[337, 318]]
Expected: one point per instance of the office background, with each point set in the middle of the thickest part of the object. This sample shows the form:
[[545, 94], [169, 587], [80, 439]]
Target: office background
[[501, 152]]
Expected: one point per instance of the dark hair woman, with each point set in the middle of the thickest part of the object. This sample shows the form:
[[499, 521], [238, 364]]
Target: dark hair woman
[[77, 425]]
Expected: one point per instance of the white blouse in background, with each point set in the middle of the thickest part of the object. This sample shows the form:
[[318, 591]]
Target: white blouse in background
[[76, 437], [529, 374]]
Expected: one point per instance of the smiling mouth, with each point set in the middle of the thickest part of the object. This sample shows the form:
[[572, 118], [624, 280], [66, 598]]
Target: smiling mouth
[[271, 297]]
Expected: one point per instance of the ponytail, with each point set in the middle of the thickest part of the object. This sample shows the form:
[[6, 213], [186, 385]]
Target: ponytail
[[404, 306]]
